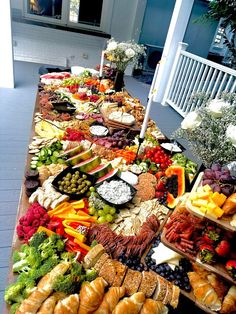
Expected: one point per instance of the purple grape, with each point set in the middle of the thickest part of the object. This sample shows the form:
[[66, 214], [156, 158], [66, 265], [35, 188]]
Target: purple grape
[[216, 167], [217, 175], [209, 174], [225, 178], [227, 189], [207, 181], [217, 189]]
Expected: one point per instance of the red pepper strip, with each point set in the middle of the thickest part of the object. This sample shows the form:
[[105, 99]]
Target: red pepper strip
[[75, 225]]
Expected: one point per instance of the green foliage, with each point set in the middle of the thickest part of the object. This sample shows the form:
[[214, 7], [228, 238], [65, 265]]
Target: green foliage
[[37, 239], [14, 308], [13, 293]]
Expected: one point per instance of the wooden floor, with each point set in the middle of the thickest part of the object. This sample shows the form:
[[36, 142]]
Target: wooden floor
[[16, 116]]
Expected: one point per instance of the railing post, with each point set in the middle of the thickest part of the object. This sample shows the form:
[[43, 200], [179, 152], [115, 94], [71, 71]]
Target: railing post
[[181, 47], [176, 31]]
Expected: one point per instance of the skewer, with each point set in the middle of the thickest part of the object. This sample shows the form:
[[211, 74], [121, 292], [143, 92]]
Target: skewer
[[48, 121]]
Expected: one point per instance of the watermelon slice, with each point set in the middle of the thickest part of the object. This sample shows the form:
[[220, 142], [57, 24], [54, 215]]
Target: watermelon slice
[[72, 152], [80, 157], [101, 170], [89, 164], [110, 174]]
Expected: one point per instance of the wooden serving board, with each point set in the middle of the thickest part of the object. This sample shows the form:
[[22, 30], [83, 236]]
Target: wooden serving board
[[22, 208], [222, 222], [217, 268]]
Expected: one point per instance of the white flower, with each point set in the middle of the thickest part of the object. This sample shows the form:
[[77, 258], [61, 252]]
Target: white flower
[[112, 45], [130, 53], [191, 121], [215, 107], [231, 134]]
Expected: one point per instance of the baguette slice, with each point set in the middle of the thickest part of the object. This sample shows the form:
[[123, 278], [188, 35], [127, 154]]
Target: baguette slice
[[175, 296], [120, 273], [101, 262], [148, 283], [161, 289], [108, 271], [132, 281], [93, 256]]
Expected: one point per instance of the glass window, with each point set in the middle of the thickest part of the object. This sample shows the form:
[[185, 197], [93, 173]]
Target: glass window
[[86, 12], [47, 8]]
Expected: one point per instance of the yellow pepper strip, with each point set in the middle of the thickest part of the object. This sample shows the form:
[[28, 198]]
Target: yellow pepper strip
[[59, 208], [48, 231], [82, 213], [83, 245], [80, 202], [81, 218], [75, 234]]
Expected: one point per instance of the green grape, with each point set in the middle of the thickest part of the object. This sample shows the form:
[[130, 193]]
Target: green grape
[[101, 219], [112, 210], [92, 210], [106, 209], [101, 213], [109, 218], [90, 204], [92, 189]]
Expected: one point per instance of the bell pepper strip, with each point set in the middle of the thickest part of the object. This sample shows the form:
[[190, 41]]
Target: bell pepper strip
[[83, 245], [81, 218], [66, 207], [67, 223], [75, 234], [46, 230]]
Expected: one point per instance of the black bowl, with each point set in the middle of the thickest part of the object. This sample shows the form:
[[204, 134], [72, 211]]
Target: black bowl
[[73, 196], [63, 106], [116, 178]]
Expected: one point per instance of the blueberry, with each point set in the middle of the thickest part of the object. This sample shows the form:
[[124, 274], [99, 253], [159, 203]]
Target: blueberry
[[176, 282], [145, 268], [138, 268], [141, 266], [153, 267], [187, 288], [177, 268], [171, 277], [178, 277], [162, 274], [186, 279]]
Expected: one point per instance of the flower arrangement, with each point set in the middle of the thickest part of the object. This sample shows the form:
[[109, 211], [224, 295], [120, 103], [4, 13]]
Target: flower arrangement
[[123, 53], [211, 130]]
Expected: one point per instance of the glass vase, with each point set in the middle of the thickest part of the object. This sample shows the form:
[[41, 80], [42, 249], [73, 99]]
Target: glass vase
[[119, 81]]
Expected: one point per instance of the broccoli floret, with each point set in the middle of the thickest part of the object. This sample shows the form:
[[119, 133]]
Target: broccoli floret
[[38, 238], [54, 242], [14, 308], [30, 258], [90, 274], [68, 257], [76, 269], [17, 256], [13, 293], [66, 284]]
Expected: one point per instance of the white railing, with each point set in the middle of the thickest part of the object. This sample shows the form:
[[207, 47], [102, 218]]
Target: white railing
[[192, 74]]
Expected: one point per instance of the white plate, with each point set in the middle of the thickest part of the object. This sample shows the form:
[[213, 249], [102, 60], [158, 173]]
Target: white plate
[[172, 147], [98, 130]]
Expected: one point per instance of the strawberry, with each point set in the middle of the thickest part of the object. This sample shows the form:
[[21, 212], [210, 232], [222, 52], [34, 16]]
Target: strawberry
[[159, 194], [231, 267], [211, 235], [223, 248], [206, 253]]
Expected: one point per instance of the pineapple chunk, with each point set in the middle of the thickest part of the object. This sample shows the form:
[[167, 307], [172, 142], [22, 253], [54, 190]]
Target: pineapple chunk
[[207, 188], [218, 198], [199, 203], [193, 196], [203, 210], [203, 195]]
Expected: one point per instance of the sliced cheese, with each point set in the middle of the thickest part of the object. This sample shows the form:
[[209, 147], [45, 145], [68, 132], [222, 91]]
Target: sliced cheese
[[163, 254]]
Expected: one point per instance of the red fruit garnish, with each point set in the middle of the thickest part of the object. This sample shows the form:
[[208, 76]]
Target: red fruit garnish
[[206, 253], [231, 267], [223, 248], [160, 186], [159, 194]]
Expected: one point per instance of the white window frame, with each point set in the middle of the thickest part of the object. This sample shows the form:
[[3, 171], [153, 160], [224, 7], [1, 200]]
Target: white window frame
[[105, 23]]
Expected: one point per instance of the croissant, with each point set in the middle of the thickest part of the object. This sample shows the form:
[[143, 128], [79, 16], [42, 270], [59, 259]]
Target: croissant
[[68, 305], [229, 206], [43, 290], [204, 292], [154, 307], [218, 285], [229, 302], [49, 304], [110, 300], [131, 305], [91, 295]]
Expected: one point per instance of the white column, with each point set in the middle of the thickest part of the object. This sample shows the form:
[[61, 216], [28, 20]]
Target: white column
[[6, 50], [177, 28]]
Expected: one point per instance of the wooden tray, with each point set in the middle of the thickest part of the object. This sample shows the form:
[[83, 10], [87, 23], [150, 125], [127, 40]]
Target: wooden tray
[[223, 222], [217, 268]]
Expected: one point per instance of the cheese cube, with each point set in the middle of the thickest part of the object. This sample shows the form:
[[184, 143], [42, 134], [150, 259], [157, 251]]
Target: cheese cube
[[203, 195], [218, 198], [216, 212], [202, 209], [200, 189]]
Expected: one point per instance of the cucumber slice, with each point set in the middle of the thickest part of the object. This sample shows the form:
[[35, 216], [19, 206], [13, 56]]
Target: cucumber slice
[[33, 167], [48, 161], [35, 158], [60, 161], [49, 152], [33, 162], [39, 164], [53, 159]]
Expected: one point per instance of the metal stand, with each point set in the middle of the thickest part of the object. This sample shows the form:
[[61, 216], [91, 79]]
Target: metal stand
[[140, 141]]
